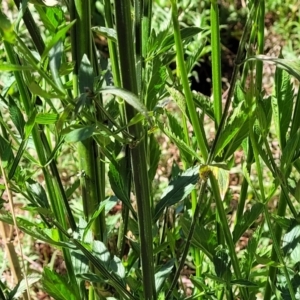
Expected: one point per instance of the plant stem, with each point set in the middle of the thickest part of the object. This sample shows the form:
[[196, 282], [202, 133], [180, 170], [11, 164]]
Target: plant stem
[[138, 154], [198, 128], [216, 61]]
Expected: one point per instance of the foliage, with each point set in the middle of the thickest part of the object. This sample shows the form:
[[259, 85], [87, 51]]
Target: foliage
[[65, 103]]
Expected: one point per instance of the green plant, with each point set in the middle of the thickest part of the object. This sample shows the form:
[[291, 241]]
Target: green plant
[[113, 128]]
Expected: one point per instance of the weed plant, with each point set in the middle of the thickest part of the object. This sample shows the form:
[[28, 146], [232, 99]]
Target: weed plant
[[59, 94]]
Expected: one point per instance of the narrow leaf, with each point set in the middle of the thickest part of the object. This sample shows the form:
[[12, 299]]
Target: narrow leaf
[[248, 218], [80, 134], [127, 96]]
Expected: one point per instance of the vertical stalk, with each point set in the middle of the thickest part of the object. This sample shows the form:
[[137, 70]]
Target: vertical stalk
[[198, 128], [137, 153], [93, 180], [216, 61]]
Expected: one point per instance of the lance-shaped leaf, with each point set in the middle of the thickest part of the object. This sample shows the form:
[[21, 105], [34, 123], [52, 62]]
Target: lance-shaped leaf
[[127, 96], [177, 190]]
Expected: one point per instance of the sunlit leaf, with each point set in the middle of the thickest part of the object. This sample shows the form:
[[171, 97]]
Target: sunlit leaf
[[177, 190]]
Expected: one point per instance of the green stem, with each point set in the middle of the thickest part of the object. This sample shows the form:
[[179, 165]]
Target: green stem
[[198, 128], [138, 154], [216, 61]]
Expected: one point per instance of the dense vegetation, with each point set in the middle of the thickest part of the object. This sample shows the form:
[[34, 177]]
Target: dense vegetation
[[144, 154]]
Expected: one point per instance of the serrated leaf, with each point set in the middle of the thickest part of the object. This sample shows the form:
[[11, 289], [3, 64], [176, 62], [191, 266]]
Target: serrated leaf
[[177, 190], [21, 287], [162, 274], [248, 218], [186, 151], [58, 286], [80, 134], [156, 78], [174, 125], [46, 118], [109, 33], [204, 103], [179, 99], [291, 239]]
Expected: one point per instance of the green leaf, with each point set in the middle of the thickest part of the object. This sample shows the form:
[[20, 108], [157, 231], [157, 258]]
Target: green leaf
[[248, 218], [154, 158], [109, 33], [222, 177], [7, 29], [36, 230], [4, 67], [127, 96], [21, 287], [289, 151], [289, 65], [162, 274], [232, 127], [55, 39], [30, 124], [6, 153], [222, 263], [243, 283], [291, 239], [86, 76], [16, 116], [80, 134], [204, 103], [156, 77], [52, 17], [58, 286], [95, 215], [186, 151], [46, 118], [119, 176], [37, 194], [204, 239], [37, 90], [185, 33], [282, 104], [177, 190], [178, 98]]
